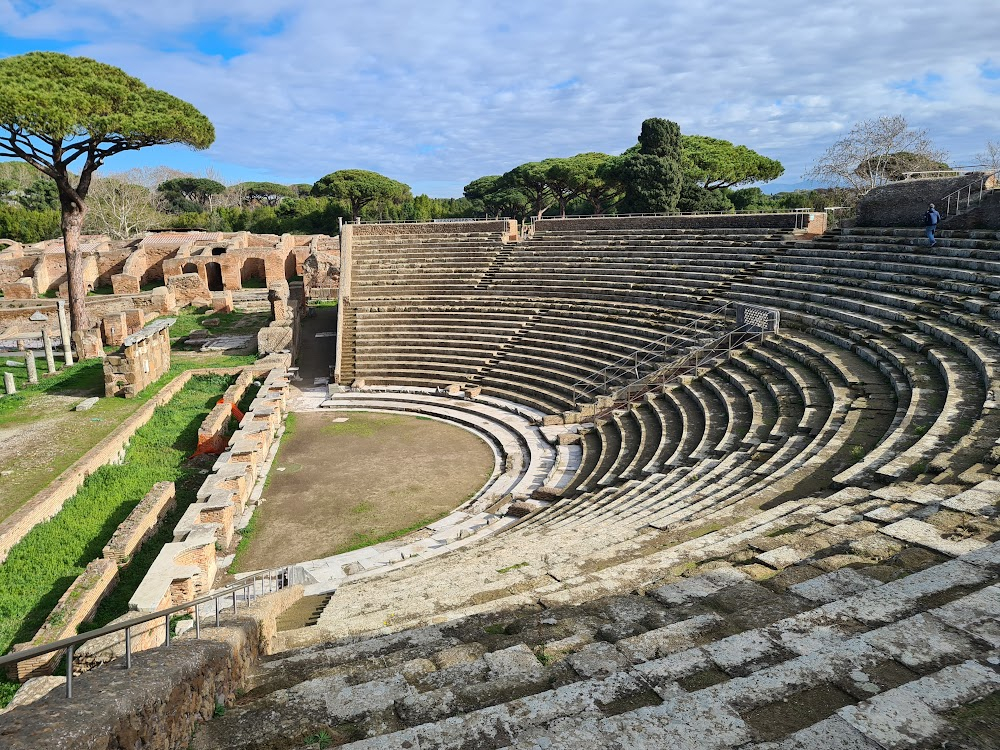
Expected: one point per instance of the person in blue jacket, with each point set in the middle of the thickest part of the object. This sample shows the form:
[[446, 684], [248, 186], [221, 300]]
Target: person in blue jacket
[[931, 219]]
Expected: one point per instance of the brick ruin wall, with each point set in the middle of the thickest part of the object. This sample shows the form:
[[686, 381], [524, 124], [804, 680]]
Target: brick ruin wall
[[903, 204], [188, 565], [27, 271], [213, 435], [139, 309], [142, 359]]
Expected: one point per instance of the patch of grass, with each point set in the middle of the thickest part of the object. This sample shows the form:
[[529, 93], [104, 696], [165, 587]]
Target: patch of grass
[[858, 452], [321, 740], [543, 656], [707, 529], [191, 318], [785, 530], [7, 690], [919, 429], [220, 710], [513, 567], [496, 629], [367, 539], [75, 432], [246, 536], [254, 284], [323, 303], [83, 379], [42, 566], [361, 509], [99, 290], [350, 427]]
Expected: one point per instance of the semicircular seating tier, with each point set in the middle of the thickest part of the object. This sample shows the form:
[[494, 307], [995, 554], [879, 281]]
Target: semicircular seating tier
[[883, 369]]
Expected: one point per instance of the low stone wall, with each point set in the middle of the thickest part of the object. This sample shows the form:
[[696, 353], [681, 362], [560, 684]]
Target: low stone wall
[[141, 524], [83, 597], [187, 566], [158, 702], [507, 227], [812, 223], [143, 358], [213, 435], [76, 606]]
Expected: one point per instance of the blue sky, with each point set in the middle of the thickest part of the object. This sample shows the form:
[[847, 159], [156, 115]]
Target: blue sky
[[437, 94]]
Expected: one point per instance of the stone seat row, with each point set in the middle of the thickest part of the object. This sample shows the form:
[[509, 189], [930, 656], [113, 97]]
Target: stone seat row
[[775, 641], [719, 455], [955, 342]]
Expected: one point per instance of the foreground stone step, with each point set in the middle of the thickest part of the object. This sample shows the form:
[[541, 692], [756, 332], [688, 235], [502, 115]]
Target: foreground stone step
[[714, 660]]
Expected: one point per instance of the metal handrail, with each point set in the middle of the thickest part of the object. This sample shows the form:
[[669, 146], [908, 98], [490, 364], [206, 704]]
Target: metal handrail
[[456, 220], [271, 580], [634, 362], [956, 195], [688, 364], [956, 171]]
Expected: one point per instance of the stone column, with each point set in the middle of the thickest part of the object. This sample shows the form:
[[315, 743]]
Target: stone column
[[67, 341], [50, 360], [29, 362], [8, 384]]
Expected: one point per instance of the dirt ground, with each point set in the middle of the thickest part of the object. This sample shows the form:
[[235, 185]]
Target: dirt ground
[[339, 485]]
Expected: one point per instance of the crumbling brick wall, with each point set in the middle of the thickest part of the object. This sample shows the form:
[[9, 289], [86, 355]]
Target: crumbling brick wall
[[142, 359]]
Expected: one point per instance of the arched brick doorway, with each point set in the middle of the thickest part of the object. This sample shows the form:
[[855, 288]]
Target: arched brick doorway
[[213, 272]]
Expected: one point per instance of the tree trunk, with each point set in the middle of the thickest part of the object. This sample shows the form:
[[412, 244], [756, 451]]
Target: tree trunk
[[72, 225]]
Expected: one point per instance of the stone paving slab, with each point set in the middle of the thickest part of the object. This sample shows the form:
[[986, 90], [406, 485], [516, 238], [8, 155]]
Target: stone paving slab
[[836, 585], [917, 532]]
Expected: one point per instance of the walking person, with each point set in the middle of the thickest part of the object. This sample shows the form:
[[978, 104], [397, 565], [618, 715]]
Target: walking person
[[931, 219]]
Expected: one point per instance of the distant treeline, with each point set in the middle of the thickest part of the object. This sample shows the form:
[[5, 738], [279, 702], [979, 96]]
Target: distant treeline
[[664, 171]]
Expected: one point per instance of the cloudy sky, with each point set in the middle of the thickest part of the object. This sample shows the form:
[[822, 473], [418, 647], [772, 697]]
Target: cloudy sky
[[438, 93]]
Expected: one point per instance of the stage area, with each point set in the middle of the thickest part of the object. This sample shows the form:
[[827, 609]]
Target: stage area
[[339, 485]]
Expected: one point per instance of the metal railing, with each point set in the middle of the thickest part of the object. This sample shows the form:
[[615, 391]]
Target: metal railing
[[964, 195], [690, 365], [632, 365], [269, 581], [936, 173], [456, 220]]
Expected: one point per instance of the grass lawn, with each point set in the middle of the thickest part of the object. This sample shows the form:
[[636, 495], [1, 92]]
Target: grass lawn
[[190, 319]]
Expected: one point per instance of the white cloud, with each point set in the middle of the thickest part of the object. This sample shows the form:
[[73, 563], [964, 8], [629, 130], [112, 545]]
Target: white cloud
[[436, 94]]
